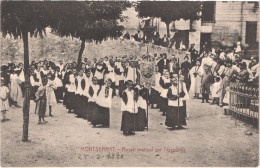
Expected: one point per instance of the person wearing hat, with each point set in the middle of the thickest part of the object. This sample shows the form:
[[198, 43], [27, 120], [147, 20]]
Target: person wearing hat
[[4, 103], [163, 63], [193, 54], [176, 114], [185, 69]]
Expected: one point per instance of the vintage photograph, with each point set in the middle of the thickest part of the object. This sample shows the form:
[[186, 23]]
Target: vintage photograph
[[129, 83]]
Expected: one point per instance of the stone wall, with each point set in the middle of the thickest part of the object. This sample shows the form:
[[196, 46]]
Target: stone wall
[[231, 20]]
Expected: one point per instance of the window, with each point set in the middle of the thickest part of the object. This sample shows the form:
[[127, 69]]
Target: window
[[208, 11]]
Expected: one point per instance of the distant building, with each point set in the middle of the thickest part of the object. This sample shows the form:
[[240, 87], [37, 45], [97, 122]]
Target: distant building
[[227, 22], [222, 23]]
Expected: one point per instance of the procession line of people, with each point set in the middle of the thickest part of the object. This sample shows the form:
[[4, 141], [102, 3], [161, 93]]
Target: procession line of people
[[88, 89]]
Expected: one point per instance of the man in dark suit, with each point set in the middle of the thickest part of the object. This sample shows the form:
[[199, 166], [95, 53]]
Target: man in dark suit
[[194, 54], [163, 63], [185, 69]]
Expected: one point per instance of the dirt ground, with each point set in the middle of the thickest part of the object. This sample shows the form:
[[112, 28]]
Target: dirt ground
[[210, 139]]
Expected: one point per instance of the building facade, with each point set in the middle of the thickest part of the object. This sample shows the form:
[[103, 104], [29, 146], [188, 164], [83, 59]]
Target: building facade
[[222, 23]]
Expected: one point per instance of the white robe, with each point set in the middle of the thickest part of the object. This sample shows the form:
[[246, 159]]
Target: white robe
[[215, 89], [15, 89], [195, 81]]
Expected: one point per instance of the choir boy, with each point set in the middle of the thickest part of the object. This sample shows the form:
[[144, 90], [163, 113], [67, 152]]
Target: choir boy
[[128, 109]]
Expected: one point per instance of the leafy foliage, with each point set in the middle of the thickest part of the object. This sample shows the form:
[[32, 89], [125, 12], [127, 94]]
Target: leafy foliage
[[26, 16], [90, 21], [169, 11]]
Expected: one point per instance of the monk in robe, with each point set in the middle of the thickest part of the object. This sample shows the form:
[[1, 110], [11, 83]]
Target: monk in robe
[[128, 109]]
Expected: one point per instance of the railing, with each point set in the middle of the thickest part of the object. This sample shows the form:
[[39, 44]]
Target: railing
[[244, 102]]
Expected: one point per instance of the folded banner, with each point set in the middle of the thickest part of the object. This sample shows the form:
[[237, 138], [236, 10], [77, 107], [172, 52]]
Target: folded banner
[[147, 74]]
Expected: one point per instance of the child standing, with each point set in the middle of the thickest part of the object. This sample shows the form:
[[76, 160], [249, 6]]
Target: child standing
[[216, 91], [4, 104], [51, 99], [41, 101]]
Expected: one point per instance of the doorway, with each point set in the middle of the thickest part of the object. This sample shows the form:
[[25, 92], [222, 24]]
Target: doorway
[[251, 32], [205, 38]]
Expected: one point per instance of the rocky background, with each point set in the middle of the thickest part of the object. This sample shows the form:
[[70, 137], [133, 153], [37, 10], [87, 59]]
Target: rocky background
[[53, 47]]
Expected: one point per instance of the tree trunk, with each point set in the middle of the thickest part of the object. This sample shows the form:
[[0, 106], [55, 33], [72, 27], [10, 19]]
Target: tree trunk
[[26, 102], [82, 47], [168, 29]]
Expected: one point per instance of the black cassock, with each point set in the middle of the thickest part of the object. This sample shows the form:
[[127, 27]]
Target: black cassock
[[175, 116], [140, 117], [92, 106], [127, 124], [163, 101], [65, 82], [79, 99]]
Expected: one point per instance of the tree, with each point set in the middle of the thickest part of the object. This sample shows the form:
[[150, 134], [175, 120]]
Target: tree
[[169, 11], [88, 21], [18, 19]]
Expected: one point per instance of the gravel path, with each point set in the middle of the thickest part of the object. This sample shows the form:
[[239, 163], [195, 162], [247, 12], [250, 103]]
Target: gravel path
[[210, 139]]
